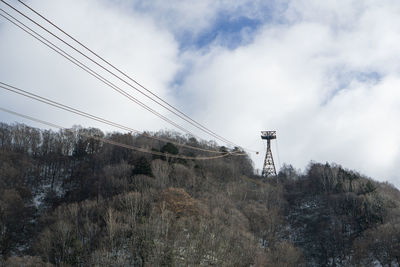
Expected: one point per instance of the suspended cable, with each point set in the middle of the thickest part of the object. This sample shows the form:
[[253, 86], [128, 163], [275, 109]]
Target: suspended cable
[[119, 78], [124, 74], [80, 65], [84, 67], [93, 117], [139, 149]]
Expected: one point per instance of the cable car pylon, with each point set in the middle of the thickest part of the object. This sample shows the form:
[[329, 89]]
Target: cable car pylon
[[269, 166]]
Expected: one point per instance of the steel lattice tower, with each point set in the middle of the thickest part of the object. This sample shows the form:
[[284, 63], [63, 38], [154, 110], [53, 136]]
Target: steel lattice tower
[[269, 166]]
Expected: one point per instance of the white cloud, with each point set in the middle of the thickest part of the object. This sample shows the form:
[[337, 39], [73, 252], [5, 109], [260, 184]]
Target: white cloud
[[130, 40], [327, 81], [195, 17]]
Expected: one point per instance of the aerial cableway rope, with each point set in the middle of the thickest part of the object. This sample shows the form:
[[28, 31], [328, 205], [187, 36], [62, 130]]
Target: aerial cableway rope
[[123, 73], [107, 141], [93, 117], [178, 114], [84, 67]]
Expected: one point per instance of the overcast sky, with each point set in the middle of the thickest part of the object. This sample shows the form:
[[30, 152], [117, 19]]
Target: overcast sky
[[324, 74]]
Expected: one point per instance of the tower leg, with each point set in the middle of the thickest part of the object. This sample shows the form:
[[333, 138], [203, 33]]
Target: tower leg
[[269, 166]]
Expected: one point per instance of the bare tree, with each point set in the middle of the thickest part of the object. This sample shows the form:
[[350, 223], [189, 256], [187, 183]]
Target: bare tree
[[161, 171]]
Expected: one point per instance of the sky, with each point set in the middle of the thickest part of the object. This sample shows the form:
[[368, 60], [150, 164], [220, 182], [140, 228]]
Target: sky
[[324, 74]]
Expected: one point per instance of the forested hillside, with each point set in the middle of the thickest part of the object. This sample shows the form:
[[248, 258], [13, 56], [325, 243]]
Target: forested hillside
[[69, 200]]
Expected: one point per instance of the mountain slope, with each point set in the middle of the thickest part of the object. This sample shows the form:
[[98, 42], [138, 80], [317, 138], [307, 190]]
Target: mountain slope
[[70, 200]]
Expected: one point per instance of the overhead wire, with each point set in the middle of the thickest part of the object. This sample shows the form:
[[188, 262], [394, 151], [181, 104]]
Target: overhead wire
[[78, 63], [93, 117], [121, 72], [84, 67], [139, 149], [119, 78]]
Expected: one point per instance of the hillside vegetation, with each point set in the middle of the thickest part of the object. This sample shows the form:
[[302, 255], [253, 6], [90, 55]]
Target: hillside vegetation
[[67, 200]]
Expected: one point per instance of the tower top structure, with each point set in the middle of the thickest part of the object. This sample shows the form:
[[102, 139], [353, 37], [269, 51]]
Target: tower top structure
[[268, 135]]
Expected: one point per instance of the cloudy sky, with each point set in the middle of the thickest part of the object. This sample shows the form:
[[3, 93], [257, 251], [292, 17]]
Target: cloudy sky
[[324, 74]]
